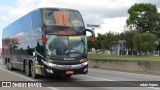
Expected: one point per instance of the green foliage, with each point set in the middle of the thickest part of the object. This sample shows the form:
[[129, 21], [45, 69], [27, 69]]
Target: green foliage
[[137, 40], [149, 23], [100, 39], [137, 10], [144, 18], [122, 36], [144, 42], [109, 40], [108, 57], [128, 36]]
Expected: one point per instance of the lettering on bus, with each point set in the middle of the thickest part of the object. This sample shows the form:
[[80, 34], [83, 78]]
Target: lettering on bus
[[62, 18], [67, 32]]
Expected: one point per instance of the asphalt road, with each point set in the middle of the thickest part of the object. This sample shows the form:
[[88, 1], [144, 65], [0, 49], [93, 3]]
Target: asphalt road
[[86, 82]]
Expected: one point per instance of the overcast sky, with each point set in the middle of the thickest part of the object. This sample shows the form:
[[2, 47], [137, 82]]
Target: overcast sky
[[110, 14]]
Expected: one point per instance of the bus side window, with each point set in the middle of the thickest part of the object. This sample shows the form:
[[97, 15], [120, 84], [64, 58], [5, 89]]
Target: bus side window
[[36, 19], [49, 19]]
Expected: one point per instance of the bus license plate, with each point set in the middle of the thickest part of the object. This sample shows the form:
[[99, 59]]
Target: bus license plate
[[69, 72]]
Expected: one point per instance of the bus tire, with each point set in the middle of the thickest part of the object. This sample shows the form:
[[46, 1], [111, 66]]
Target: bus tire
[[10, 66], [7, 66], [27, 69], [33, 71]]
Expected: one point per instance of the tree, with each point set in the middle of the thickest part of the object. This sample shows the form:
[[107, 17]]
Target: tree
[[100, 39], [137, 40], [122, 36], [144, 42], [109, 40], [128, 37], [144, 18], [149, 23]]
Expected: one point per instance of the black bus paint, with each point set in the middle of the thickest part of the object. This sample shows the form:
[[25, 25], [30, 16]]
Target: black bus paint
[[45, 42]]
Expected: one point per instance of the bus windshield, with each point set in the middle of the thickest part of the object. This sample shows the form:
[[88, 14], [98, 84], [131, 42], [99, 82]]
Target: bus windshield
[[57, 17], [65, 46]]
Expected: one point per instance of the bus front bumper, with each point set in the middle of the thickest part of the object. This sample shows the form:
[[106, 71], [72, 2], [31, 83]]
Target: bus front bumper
[[51, 68]]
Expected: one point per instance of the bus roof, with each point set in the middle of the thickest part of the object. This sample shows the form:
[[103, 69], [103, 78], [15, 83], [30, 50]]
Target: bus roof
[[42, 8], [49, 8]]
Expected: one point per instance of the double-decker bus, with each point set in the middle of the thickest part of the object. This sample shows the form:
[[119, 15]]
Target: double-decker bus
[[47, 41]]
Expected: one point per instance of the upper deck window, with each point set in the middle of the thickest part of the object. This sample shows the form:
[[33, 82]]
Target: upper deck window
[[62, 17]]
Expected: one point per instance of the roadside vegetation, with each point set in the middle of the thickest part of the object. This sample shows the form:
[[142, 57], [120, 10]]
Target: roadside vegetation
[[123, 57], [141, 34]]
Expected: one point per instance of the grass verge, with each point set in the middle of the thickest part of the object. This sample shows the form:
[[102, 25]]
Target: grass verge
[[103, 56]]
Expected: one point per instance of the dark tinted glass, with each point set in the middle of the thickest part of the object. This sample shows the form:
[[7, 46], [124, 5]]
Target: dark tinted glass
[[68, 46], [62, 18]]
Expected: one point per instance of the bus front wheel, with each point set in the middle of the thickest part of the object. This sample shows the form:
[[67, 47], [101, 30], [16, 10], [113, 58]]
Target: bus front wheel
[[33, 71], [27, 69]]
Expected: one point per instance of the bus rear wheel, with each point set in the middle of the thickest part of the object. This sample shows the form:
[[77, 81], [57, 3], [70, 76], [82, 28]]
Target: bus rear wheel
[[9, 66]]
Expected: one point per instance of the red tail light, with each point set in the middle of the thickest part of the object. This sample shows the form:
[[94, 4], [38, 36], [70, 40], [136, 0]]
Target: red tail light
[[44, 39]]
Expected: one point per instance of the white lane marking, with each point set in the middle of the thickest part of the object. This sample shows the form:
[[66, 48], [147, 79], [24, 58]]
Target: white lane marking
[[114, 80], [98, 78], [154, 88], [79, 75], [124, 72], [17, 74], [26, 78]]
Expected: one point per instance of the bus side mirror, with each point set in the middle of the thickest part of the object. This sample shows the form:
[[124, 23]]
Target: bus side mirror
[[93, 35]]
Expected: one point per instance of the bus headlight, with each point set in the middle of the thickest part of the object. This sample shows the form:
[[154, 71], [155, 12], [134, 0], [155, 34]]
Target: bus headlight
[[84, 60], [85, 63], [49, 64]]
